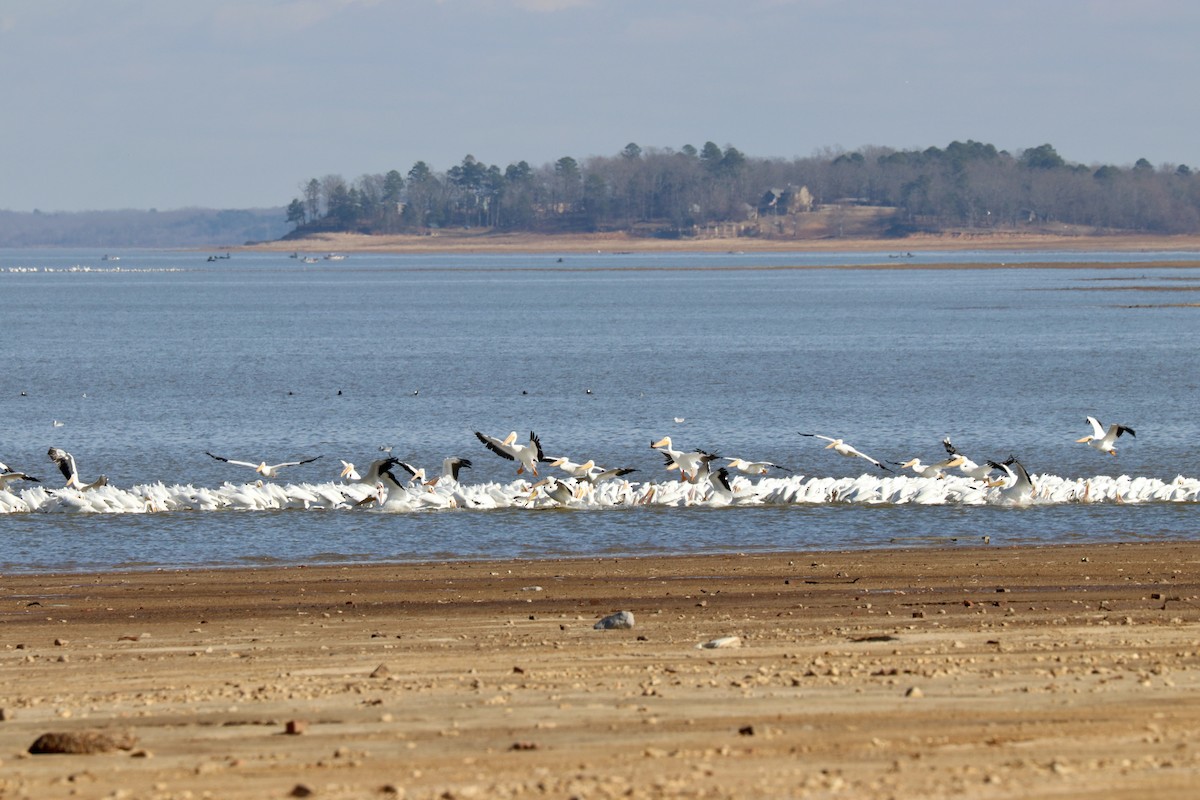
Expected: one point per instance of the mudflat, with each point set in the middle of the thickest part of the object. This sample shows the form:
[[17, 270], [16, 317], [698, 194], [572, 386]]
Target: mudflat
[[956, 669]]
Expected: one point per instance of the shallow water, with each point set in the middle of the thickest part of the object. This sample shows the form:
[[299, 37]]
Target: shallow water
[[150, 361]]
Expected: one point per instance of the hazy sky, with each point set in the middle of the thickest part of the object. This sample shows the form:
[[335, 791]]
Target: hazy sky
[[234, 103]]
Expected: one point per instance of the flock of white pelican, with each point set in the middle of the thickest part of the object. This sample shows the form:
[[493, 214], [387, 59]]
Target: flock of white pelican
[[704, 479]]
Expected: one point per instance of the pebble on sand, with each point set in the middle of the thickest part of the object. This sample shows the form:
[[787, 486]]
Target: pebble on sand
[[619, 620], [723, 641]]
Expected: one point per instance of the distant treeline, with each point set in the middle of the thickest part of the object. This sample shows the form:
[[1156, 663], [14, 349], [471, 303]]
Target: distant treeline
[[684, 192], [189, 227]]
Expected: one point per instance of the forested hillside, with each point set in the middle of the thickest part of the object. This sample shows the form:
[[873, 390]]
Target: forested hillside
[[697, 192]]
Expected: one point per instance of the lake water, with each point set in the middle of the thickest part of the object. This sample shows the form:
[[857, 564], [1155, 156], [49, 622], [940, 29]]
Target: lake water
[[150, 361]]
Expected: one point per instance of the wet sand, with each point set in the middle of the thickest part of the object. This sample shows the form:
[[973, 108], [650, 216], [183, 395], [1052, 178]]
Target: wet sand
[[949, 670]]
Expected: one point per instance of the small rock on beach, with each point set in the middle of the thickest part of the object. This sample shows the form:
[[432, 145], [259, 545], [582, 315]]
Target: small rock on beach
[[617, 621]]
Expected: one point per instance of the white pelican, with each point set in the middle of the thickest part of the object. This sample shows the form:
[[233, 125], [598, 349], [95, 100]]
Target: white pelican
[[720, 484], [7, 476], [375, 473], [967, 467], [578, 471], [527, 456], [752, 467], [842, 449], [556, 490], [599, 474], [688, 464], [450, 469], [262, 467], [66, 464], [451, 466], [1017, 486], [931, 470], [588, 470], [415, 474], [1103, 440]]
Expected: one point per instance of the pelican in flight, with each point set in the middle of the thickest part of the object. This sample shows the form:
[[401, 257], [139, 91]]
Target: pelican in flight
[[752, 467], [66, 464], [967, 467], [842, 449], [1104, 440], [7, 476], [688, 464], [932, 470], [527, 456], [262, 467], [588, 471]]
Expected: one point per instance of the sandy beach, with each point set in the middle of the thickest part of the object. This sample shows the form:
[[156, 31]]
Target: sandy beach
[[482, 241], [954, 669]]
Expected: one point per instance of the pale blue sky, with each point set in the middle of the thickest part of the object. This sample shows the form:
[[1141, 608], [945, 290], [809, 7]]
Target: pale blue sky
[[234, 103]]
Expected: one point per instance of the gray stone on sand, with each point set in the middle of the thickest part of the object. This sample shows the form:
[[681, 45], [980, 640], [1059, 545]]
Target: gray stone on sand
[[618, 621]]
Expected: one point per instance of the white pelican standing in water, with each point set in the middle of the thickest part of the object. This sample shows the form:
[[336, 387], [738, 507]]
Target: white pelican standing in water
[[1104, 440], [7, 476], [66, 465], [527, 456], [842, 449], [688, 464], [262, 467]]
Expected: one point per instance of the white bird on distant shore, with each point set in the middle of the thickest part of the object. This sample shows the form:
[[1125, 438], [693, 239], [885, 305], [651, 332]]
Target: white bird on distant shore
[[527, 456], [843, 449], [1104, 440], [262, 467], [66, 464]]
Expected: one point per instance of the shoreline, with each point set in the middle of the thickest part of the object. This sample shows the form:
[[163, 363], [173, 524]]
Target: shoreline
[[468, 242], [982, 671]]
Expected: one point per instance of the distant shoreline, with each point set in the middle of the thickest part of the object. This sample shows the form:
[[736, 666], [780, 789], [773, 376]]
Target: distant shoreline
[[468, 242]]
